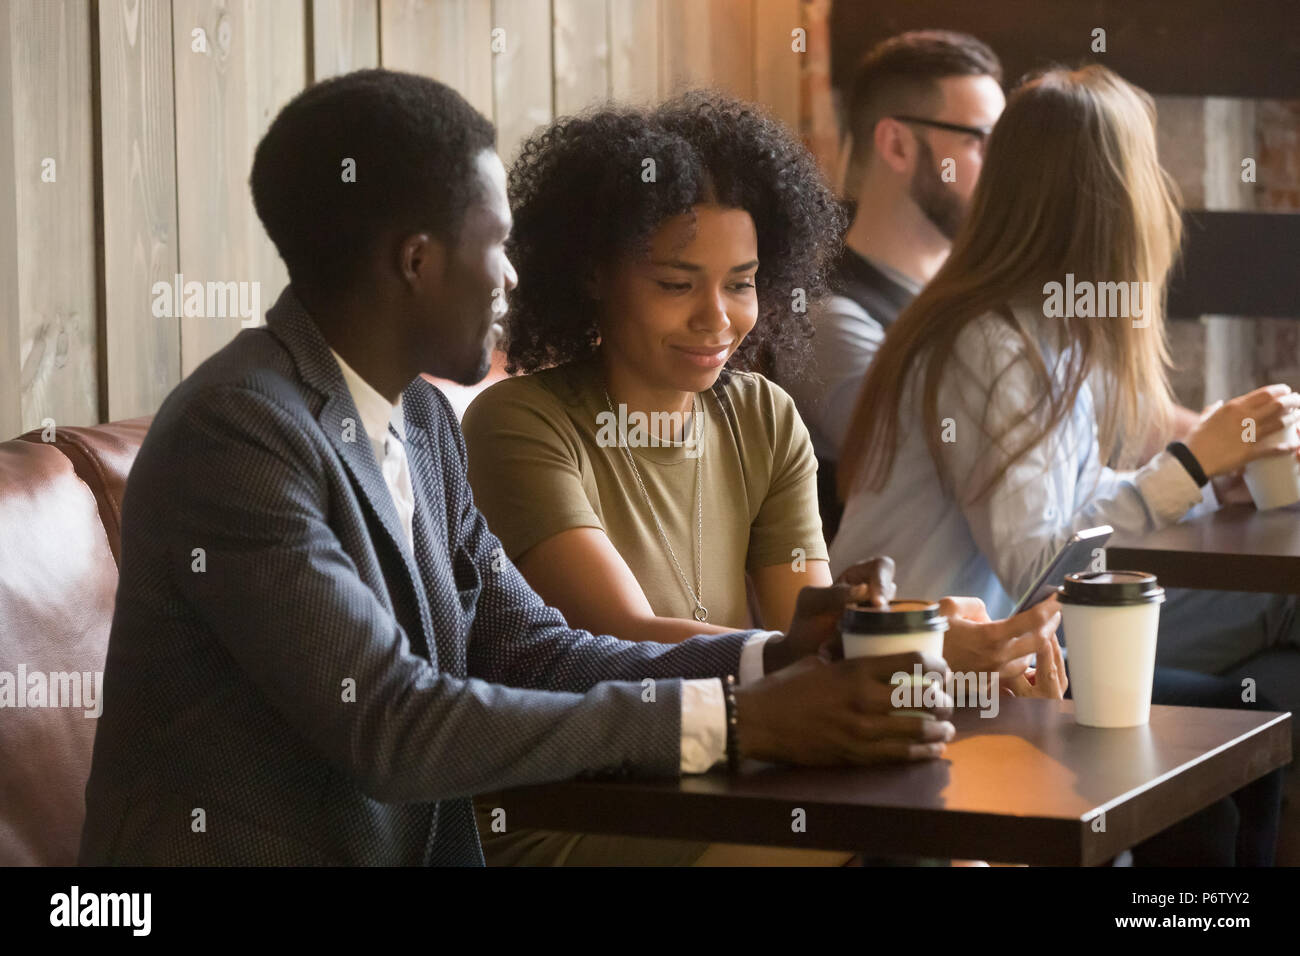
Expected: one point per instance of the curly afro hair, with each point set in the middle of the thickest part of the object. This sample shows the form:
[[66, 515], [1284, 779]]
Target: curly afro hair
[[580, 203]]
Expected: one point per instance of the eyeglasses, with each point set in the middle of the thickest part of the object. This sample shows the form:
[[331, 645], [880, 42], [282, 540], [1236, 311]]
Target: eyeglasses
[[979, 132]]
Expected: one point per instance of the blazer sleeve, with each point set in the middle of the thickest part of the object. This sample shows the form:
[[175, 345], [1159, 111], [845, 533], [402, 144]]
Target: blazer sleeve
[[281, 595]]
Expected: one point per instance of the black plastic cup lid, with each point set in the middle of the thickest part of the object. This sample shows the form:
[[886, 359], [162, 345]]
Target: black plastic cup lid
[[1111, 588], [903, 616]]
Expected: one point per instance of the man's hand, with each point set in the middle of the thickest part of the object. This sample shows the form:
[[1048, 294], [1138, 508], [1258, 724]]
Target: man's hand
[[819, 713], [975, 644], [872, 582], [817, 611]]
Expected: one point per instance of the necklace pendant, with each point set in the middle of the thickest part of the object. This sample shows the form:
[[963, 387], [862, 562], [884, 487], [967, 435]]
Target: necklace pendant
[[701, 613]]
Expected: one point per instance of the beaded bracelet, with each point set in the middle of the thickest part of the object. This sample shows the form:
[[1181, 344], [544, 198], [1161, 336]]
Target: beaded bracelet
[[733, 736]]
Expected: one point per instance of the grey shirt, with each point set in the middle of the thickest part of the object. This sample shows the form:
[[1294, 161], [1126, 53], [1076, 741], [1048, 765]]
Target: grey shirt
[[850, 325]]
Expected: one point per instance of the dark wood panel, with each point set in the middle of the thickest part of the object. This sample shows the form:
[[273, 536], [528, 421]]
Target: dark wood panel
[[1239, 264], [1025, 786], [1248, 48], [1236, 548]]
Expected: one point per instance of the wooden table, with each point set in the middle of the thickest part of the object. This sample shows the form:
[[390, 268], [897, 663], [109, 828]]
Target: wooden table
[[1233, 549], [1027, 786]]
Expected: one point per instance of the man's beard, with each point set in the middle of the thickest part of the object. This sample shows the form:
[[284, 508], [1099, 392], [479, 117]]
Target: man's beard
[[471, 374], [943, 207], [481, 371]]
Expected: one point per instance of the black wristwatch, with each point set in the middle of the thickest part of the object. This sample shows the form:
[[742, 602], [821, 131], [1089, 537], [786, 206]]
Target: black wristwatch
[[1184, 455]]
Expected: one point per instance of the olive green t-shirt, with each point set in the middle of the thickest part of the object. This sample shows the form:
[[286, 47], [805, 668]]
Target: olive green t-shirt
[[543, 459]]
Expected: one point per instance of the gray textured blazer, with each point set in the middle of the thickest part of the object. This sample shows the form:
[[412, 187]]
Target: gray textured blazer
[[286, 684]]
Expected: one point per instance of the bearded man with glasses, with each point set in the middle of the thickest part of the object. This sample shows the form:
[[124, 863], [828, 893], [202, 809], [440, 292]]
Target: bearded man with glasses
[[918, 114]]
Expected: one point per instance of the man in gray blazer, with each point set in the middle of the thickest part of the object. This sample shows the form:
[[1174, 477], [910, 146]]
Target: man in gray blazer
[[319, 651]]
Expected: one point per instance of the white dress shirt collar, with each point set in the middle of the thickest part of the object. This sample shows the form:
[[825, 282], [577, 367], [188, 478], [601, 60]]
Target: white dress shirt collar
[[377, 412]]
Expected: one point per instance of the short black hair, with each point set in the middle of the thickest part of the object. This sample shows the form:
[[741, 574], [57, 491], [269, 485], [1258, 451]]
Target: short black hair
[[413, 141], [581, 201], [901, 74]]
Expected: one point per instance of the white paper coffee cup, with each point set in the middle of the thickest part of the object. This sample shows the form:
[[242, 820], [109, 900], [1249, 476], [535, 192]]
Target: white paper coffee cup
[[908, 625], [1111, 620], [1274, 482]]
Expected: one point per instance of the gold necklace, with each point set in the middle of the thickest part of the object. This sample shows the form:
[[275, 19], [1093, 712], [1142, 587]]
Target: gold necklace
[[697, 426]]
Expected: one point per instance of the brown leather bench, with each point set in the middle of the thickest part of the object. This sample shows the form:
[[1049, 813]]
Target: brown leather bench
[[60, 542]]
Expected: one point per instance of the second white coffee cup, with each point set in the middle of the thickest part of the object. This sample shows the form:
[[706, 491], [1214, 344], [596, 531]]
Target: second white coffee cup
[[1274, 482], [1111, 621]]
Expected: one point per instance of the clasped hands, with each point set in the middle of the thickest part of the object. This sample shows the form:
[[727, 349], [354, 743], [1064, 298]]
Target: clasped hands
[[814, 708], [973, 643]]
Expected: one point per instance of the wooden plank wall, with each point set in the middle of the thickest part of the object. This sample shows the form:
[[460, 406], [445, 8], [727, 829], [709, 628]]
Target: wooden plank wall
[[151, 127], [345, 36], [634, 41], [49, 243], [521, 70], [228, 89], [449, 40], [142, 353]]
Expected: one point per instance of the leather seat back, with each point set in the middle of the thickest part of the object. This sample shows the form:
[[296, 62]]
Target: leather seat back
[[58, 580], [102, 456]]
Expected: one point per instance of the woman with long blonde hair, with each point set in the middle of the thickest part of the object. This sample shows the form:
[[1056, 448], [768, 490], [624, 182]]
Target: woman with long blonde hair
[[984, 435]]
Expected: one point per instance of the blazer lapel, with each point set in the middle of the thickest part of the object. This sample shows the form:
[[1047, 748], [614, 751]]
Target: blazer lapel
[[341, 422], [436, 547]]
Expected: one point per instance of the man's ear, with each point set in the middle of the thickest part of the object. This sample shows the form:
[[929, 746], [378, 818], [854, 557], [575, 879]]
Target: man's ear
[[422, 261], [892, 145]]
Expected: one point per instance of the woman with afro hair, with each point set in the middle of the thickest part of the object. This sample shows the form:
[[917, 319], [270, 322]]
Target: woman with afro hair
[[644, 477]]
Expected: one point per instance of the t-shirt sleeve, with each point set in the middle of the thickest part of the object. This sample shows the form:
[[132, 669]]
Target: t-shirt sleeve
[[524, 466], [787, 516]]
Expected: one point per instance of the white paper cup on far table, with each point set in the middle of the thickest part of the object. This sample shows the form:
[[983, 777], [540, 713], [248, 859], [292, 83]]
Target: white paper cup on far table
[[1111, 620], [1274, 482], [908, 625]]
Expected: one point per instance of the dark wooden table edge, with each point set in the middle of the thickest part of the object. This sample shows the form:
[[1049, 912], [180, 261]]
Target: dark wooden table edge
[[1191, 789], [1207, 570], [584, 807]]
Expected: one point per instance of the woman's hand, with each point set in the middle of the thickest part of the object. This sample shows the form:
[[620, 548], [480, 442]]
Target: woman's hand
[[976, 644], [870, 582], [1047, 679], [1230, 488], [1217, 442]]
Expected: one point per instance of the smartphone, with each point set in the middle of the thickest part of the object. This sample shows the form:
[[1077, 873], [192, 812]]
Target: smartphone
[[1076, 555]]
